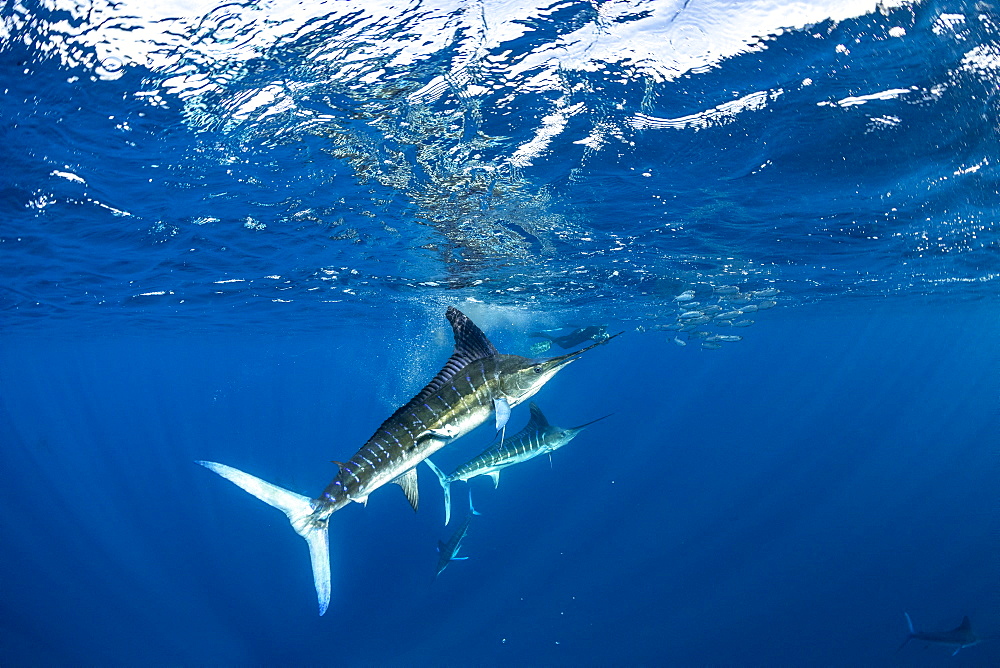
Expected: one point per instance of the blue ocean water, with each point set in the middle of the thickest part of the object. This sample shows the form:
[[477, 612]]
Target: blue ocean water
[[231, 232]]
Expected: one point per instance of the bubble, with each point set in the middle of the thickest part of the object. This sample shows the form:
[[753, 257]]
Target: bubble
[[110, 68]]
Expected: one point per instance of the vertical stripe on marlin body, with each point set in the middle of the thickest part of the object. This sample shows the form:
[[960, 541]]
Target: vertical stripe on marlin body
[[475, 382]]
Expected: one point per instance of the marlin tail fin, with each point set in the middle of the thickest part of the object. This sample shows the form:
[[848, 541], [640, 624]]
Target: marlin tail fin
[[299, 510], [445, 485], [909, 637]]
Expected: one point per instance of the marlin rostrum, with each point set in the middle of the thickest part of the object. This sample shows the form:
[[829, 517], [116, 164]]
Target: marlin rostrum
[[537, 438], [476, 381]]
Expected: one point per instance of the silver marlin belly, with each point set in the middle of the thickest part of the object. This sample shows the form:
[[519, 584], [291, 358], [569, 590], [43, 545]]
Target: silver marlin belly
[[477, 381], [537, 438]]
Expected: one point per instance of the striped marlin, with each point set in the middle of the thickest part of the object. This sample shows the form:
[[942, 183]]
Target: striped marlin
[[474, 383], [959, 637], [537, 438], [448, 552]]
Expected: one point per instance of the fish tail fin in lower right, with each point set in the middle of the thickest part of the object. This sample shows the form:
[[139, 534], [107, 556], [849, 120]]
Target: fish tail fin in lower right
[[909, 636], [445, 486], [299, 510]]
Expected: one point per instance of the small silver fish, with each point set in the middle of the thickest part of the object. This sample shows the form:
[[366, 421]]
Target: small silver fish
[[749, 308], [742, 323], [685, 296], [766, 292], [726, 290], [679, 341], [729, 315], [710, 345], [764, 305]]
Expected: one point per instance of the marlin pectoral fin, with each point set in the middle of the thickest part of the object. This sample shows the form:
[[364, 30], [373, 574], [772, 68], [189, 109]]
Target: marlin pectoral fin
[[363, 500], [408, 481], [496, 478], [502, 409], [464, 558]]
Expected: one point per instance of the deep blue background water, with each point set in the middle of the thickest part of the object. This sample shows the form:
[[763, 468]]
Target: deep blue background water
[[196, 276], [777, 504]]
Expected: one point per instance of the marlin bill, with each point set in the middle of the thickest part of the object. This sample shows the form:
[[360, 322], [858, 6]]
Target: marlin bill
[[537, 438], [476, 382]]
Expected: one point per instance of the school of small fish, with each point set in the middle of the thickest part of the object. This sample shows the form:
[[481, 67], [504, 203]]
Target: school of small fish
[[698, 312]]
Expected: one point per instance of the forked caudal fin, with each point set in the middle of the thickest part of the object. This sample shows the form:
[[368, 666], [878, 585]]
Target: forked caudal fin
[[446, 486], [298, 509]]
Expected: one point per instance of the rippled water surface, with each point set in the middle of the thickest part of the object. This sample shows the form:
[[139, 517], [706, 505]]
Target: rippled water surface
[[232, 231], [272, 159]]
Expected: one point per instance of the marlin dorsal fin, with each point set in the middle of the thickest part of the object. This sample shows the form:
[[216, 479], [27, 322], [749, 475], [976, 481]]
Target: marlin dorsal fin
[[470, 342], [537, 421], [965, 625], [408, 481], [470, 345]]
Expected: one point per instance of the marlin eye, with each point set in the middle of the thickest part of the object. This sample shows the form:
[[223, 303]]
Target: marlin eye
[[538, 368]]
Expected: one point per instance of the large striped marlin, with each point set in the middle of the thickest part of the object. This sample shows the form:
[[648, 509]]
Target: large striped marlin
[[537, 438], [448, 552], [475, 382]]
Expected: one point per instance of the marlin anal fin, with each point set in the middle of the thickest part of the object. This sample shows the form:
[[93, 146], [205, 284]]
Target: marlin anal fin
[[299, 510], [496, 478], [445, 486], [408, 481]]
